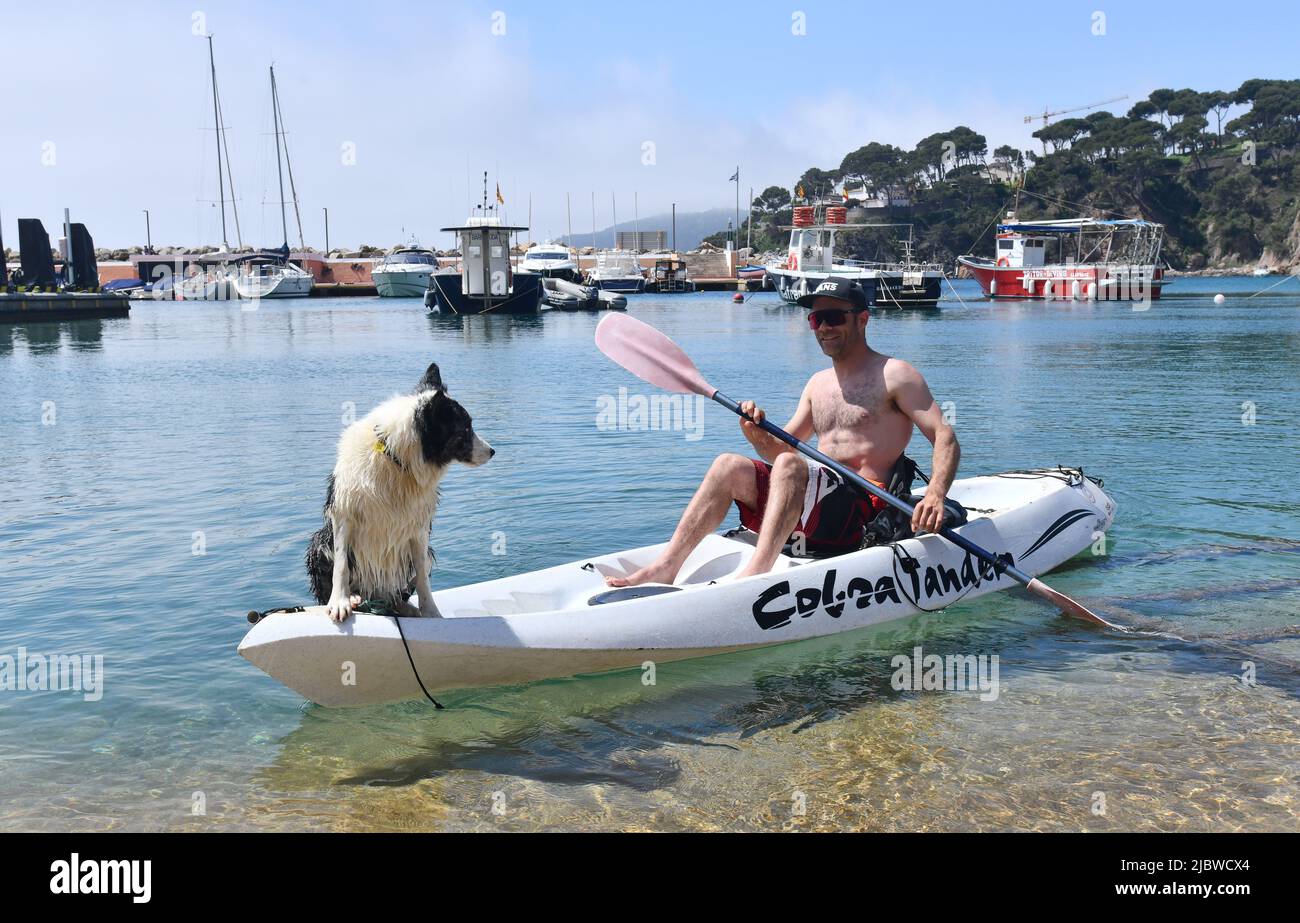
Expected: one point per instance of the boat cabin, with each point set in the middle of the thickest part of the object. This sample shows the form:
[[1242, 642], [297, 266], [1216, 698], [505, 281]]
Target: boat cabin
[[411, 256], [484, 244], [670, 276], [1021, 250], [811, 249]]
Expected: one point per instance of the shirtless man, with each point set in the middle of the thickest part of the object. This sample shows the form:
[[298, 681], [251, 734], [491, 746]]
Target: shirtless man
[[862, 410]]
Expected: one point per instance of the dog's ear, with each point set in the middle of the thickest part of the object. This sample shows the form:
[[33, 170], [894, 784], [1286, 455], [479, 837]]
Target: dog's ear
[[432, 380], [436, 425]]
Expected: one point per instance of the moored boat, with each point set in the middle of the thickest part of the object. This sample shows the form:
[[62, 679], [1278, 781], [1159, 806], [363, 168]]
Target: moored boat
[[669, 276], [562, 295], [810, 259], [1075, 258], [404, 273], [486, 282], [550, 260], [270, 274], [617, 271], [564, 621]]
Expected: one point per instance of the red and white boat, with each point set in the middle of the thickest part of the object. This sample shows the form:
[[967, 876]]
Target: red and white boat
[[1078, 258]]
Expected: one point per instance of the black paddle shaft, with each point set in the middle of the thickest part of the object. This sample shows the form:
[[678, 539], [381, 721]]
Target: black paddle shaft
[[999, 564]]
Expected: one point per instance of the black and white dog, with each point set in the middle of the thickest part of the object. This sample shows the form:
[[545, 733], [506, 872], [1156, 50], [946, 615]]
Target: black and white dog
[[382, 497]]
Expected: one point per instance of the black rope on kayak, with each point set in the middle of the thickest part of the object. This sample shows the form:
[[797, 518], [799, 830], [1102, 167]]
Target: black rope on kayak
[[1072, 476], [398, 622], [911, 565], [370, 608]]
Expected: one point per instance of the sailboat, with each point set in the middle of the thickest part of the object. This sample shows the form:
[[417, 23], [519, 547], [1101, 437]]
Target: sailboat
[[269, 274], [213, 282]]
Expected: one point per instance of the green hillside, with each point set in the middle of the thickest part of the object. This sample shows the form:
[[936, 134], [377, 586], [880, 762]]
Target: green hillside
[[1219, 169]]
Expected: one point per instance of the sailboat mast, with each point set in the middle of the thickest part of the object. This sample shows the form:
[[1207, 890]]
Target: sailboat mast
[[636, 222], [275, 118], [230, 176], [216, 127], [614, 210], [293, 189]]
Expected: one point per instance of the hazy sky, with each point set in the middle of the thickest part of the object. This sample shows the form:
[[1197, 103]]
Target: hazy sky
[[106, 107]]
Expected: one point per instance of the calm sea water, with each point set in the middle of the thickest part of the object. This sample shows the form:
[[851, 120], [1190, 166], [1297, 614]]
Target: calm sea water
[[161, 475]]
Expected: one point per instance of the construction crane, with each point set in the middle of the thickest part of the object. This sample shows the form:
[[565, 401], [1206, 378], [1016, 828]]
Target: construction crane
[[1047, 116]]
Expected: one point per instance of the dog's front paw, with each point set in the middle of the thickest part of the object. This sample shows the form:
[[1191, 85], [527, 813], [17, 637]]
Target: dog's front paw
[[339, 608], [404, 609]]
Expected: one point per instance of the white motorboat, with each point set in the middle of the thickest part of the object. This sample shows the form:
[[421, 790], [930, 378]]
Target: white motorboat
[[550, 260], [617, 271], [404, 273]]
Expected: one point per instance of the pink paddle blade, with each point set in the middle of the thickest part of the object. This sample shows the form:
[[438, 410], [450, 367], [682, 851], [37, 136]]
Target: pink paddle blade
[[649, 355], [1068, 605]]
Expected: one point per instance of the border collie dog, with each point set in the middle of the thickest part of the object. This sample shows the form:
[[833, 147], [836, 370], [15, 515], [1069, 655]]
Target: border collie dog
[[381, 499]]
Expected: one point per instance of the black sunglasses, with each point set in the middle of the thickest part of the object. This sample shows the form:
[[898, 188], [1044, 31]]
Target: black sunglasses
[[831, 317]]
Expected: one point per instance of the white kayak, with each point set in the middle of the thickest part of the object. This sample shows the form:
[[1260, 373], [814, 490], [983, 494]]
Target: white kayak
[[564, 621]]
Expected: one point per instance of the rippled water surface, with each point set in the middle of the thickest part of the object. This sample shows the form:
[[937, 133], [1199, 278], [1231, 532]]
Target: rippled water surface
[[128, 445]]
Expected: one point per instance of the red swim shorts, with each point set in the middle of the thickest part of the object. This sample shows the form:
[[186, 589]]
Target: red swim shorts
[[834, 514]]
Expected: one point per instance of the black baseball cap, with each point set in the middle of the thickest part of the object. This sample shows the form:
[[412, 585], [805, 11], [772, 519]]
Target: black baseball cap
[[844, 289]]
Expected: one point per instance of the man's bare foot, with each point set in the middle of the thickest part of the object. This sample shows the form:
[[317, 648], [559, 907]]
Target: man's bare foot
[[749, 571], [658, 572]]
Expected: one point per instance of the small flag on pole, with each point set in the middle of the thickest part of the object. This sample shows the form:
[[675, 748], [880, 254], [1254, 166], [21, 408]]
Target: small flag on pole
[[799, 191], [735, 177], [500, 200]]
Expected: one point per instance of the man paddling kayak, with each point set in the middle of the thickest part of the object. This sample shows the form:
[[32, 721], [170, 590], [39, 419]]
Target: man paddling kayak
[[862, 411]]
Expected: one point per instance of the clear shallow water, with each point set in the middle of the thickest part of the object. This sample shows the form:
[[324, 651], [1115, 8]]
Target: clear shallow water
[[204, 418]]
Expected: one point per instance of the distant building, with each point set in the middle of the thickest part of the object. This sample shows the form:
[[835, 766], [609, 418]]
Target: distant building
[[871, 197], [642, 240], [1000, 171]]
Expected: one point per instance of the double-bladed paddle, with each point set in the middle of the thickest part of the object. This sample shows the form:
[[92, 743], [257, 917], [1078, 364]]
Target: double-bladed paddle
[[654, 358]]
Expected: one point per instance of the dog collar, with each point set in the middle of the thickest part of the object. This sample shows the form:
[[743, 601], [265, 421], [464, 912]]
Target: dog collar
[[381, 447]]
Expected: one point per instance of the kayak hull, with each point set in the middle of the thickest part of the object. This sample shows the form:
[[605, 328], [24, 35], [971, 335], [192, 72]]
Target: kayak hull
[[550, 624]]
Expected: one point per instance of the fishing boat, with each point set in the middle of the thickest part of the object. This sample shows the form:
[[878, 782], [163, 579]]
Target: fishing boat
[[669, 276], [404, 273], [550, 260], [1077, 258], [617, 271], [564, 621], [486, 282], [810, 259], [270, 274]]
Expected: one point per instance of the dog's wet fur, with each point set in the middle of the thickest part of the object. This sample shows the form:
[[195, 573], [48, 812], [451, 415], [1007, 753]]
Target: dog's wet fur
[[381, 498]]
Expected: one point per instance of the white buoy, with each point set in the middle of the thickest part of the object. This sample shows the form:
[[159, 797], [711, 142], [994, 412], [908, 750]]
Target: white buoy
[[1219, 299]]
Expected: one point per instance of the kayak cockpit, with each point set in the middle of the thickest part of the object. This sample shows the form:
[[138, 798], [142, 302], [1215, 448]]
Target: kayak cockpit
[[572, 586]]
